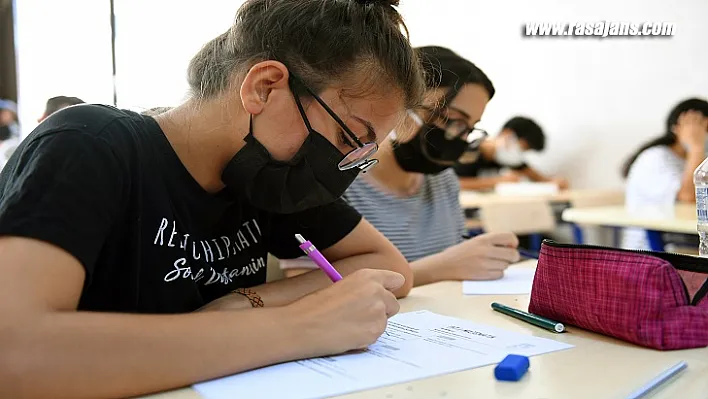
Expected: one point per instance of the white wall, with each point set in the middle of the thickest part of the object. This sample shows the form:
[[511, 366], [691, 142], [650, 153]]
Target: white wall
[[597, 99], [63, 48], [155, 39]]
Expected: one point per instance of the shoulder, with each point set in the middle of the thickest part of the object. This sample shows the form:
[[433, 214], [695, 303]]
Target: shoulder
[[84, 128], [659, 152], [88, 118], [74, 140], [445, 181], [659, 156]]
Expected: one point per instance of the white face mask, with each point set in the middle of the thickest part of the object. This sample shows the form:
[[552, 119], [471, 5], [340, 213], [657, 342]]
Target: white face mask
[[508, 152]]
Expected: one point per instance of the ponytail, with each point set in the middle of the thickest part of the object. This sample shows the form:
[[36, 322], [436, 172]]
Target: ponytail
[[668, 140]]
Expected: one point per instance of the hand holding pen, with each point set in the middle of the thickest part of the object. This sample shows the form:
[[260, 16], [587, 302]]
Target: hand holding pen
[[351, 313]]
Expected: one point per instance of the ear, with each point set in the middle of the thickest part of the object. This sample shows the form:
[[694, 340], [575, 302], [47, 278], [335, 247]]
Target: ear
[[260, 81]]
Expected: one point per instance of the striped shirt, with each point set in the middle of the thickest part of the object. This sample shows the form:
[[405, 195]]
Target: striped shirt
[[420, 225], [653, 183]]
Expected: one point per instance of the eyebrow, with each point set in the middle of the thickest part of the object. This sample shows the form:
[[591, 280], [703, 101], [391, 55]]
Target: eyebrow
[[465, 114], [370, 131]]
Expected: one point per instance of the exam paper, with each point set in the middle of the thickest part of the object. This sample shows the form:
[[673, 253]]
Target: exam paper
[[415, 345], [516, 281]]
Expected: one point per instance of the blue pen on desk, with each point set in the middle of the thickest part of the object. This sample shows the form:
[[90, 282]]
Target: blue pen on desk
[[658, 381], [525, 253]]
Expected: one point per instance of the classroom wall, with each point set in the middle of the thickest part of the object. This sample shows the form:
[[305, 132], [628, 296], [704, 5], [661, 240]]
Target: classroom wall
[[63, 48], [597, 99]]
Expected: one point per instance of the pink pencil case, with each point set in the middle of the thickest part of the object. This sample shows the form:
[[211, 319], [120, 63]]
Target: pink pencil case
[[653, 299]]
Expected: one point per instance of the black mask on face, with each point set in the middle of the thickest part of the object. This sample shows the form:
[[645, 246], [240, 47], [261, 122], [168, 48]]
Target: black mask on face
[[429, 152], [5, 133], [309, 180]]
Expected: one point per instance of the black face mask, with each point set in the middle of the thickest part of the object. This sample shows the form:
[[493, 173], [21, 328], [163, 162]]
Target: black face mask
[[309, 180], [429, 152], [5, 133]]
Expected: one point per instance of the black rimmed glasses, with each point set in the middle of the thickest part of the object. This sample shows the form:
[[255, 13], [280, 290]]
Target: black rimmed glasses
[[458, 128], [360, 156]]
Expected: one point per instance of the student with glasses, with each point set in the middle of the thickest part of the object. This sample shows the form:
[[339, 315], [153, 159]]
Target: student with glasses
[[134, 247], [412, 196]]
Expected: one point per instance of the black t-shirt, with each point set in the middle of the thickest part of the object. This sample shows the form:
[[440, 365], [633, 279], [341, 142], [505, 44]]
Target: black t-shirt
[[482, 165], [106, 186]]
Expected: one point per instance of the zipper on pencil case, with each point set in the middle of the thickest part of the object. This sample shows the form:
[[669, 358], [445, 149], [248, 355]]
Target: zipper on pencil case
[[683, 262]]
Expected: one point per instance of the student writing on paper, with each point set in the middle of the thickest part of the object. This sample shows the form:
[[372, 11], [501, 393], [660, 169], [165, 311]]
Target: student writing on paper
[[661, 171], [506, 151], [134, 248], [412, 196]]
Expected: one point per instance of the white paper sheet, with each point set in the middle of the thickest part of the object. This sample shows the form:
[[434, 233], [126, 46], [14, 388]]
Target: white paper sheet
[[416, 345], [516, 281]]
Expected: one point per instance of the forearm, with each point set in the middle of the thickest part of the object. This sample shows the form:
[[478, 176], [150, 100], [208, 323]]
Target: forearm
[[687, 192], [478, 183], [288, 290], [100, 355], [427, 270]]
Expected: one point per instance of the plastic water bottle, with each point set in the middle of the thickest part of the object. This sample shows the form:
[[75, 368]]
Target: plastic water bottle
[[700, 181]]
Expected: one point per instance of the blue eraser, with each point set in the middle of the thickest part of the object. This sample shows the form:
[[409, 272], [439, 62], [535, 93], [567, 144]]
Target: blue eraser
[[512, 368]]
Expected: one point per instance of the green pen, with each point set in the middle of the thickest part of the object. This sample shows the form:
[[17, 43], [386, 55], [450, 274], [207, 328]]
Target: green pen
[[539, 321]]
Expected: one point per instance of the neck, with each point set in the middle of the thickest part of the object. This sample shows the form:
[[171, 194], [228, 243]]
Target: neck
[[202, 136], [678, 149], [487, 149], [388, 174]]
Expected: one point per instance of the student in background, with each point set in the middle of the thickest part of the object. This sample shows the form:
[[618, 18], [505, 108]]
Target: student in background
[[54, 104], [134, 247], [412, 196], [506, 150], [9, 130], [661, 171]]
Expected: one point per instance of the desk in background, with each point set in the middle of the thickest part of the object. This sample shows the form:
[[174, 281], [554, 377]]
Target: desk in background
[[597, 367], [530, 214], [475, 199], [683, 222]]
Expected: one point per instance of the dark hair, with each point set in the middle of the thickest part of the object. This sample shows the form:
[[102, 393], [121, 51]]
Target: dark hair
[[668, 138], [318, 40], [528, 130], [54, 104], [445, 68]]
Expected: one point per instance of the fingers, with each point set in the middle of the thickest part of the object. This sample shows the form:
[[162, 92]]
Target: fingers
[[500, 239], [492, 275], [392, 305], [390, 280], [692, 117], [504, 254]]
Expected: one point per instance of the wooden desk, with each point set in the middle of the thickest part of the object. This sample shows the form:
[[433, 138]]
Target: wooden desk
[[597, 367], [475, 199], [616, 216]]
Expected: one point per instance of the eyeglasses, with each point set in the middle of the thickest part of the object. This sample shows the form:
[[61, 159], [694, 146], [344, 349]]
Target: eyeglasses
[[459, 128], [359, 157]]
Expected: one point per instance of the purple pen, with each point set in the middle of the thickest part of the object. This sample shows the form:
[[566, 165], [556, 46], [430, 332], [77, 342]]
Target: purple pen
[[313, 253]]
